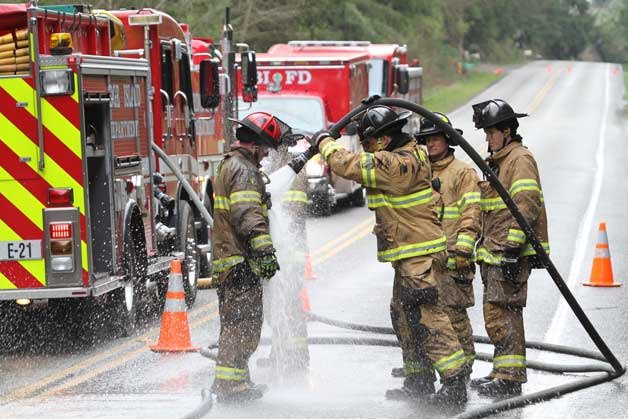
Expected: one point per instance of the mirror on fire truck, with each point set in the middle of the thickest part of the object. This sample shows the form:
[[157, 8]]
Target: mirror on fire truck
[[403, 79], [210, 88], [249, 77], [249, 69]]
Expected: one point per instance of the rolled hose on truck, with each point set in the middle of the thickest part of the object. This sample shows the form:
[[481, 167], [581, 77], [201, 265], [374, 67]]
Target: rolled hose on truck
[[609, 372]]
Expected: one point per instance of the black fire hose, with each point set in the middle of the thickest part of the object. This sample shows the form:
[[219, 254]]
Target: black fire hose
[[202, 409], [495, 183], [616, 370], [548, 347]]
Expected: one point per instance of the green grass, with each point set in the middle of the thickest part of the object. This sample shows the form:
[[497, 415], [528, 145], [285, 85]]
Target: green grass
[[447, 98]]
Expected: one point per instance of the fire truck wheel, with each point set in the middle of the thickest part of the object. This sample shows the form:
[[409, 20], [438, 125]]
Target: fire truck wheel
[[205, 262], [357, 199], [321, 205], [187, 245], [125, 300]]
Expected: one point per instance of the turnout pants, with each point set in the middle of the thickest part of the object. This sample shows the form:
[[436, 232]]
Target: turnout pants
[[504, 301], [241, 317], [421, 324], [457, 295]]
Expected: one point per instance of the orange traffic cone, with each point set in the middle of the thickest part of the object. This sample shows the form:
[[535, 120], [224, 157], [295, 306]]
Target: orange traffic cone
[[174, 335], [602, 271], [308, 271], [305, 301]]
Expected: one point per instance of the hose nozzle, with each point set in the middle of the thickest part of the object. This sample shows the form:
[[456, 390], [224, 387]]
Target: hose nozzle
[[299, 161]]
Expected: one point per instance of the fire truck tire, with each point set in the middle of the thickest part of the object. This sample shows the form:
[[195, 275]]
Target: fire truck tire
[[357, 199], [125, 301], [205, 262], [187, 245], [321, 205]]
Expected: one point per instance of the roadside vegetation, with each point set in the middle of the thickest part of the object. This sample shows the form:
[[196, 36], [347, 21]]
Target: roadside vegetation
[[449, 97]]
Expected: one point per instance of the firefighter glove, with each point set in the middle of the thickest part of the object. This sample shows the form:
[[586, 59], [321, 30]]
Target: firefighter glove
[[510, 264], [299, 161], [267, 199], [264, 266], [463, 262], [319, 136]]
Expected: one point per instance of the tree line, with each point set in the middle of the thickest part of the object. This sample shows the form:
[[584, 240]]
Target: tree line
[[437, 32]]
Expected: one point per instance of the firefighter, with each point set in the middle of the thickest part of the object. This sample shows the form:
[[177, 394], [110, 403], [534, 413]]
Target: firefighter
[[458, 207], [396, 173], [243, 253], [289, 351], [504, 254]]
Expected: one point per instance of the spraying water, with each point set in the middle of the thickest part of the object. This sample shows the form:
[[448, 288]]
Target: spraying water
[[289, 354]]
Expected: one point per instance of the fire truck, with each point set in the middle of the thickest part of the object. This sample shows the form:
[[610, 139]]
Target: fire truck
[[279, 75], [311, 92], [89, 212], [390, 75]]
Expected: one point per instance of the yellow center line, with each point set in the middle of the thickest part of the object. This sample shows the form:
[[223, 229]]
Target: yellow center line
[[344, 236], [115, 363], [540, 96], [26, 391], [355, 236], [78, 373]]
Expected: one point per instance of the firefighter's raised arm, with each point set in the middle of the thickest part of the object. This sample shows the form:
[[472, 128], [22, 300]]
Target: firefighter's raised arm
[[391, 160]]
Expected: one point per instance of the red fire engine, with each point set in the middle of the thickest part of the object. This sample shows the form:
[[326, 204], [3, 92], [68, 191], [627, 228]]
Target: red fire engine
[[86, 97], [389, 72]]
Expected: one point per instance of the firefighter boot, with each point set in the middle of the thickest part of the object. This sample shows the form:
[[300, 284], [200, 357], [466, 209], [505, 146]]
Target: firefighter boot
[[499, 387], [415, 386], [452, 393], [477, 382], [244, 394], [398, 372]]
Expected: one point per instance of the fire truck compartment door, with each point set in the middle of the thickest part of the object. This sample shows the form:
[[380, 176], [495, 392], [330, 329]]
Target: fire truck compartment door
[[19, 149]]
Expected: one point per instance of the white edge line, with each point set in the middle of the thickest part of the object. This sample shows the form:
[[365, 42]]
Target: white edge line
[[553, 334]]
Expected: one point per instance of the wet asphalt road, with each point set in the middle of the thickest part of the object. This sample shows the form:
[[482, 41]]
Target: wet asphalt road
[[578, 136]]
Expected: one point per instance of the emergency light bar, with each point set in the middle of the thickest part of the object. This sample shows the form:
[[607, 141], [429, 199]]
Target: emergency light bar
[[145, 19], [329, 43]]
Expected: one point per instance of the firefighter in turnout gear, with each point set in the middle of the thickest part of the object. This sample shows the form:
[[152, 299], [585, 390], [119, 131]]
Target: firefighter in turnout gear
[[396, 173], [243, 253], [504, 254], [458, 205]]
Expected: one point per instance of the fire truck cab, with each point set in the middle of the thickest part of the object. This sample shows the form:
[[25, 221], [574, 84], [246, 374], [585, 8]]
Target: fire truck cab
[[82, 107], [390, 74]]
